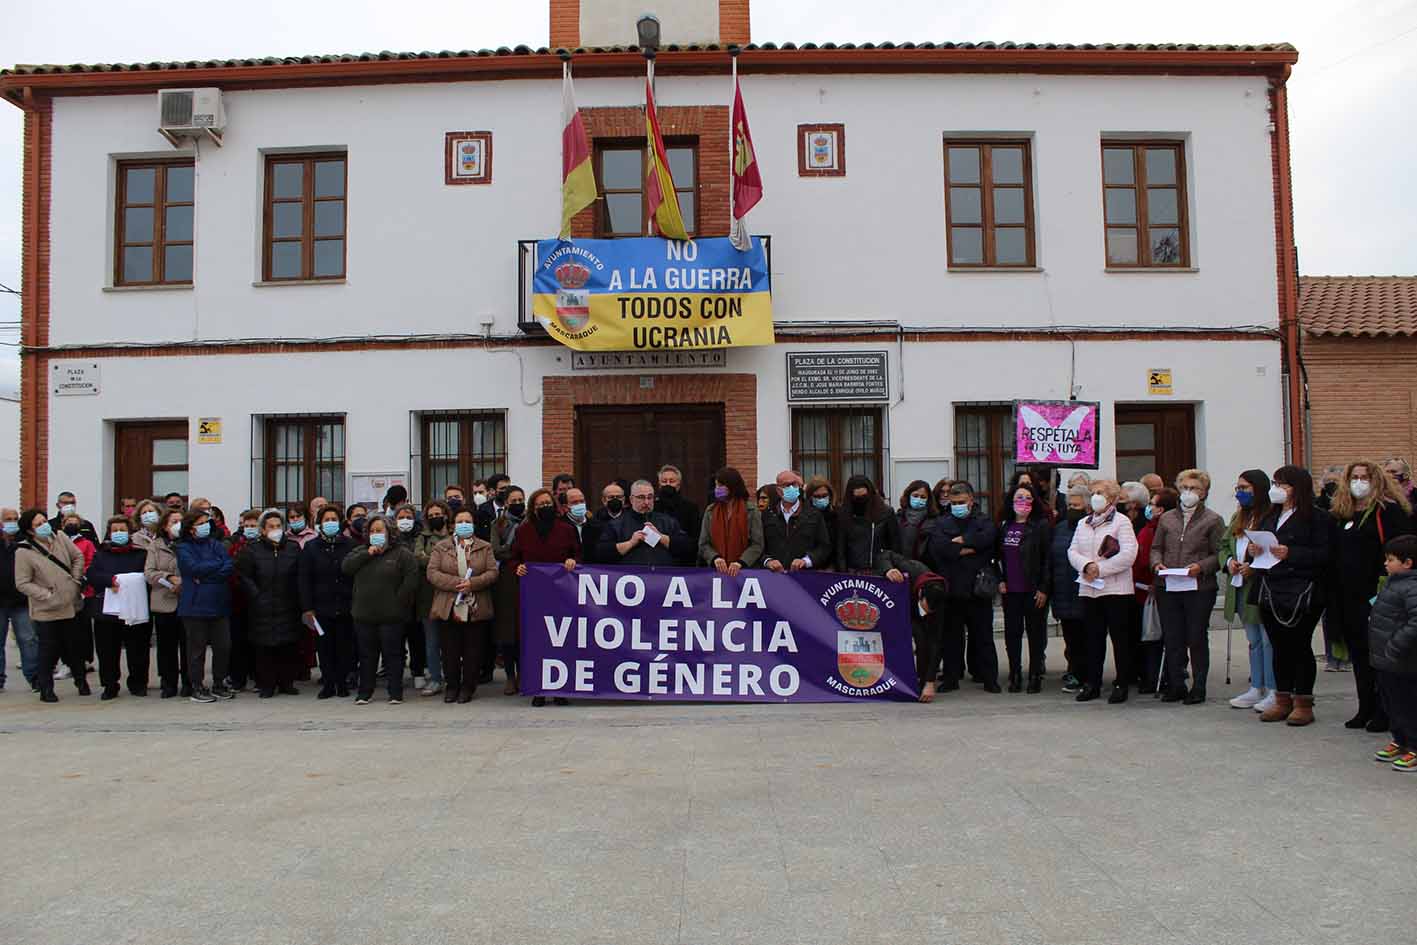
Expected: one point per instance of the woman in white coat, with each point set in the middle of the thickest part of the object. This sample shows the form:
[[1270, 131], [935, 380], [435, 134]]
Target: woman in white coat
[[1103, 550]]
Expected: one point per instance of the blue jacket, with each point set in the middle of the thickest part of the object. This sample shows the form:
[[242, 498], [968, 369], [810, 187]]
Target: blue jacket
[[1066, 604], [204, 565]]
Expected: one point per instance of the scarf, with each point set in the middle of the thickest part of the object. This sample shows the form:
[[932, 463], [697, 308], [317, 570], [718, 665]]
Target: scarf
[[461, 607], [729, 528], [914, 516]]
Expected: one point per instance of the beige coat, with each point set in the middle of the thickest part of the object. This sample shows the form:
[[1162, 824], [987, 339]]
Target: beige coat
[[162, 563], [53, 592], [443, 574], [1180, 543]]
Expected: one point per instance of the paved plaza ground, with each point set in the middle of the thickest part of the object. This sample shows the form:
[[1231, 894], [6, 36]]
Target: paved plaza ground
[[979, 819]]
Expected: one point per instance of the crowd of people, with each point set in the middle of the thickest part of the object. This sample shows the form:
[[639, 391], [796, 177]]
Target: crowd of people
[[367, 593]]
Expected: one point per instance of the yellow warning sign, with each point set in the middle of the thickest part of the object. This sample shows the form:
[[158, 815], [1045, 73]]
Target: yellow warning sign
[[1158, 381], [209, 429]]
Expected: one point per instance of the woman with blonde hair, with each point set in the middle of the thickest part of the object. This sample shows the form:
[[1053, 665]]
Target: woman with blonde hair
[[1368, 509], [1187, 536], [1103, 549]]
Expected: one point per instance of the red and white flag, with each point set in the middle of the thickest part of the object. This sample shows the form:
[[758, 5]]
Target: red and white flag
[[577, 175], [747, 187]]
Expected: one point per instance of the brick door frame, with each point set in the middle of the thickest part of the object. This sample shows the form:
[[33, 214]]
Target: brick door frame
[[562, 394]]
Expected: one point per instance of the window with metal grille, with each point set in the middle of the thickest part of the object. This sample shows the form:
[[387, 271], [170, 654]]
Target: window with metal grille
[[984, 450], [460, 449], [838, 443], [154, 223], [303, 458]]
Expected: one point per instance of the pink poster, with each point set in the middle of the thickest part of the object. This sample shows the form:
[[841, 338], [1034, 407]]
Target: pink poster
[[1056, 432]]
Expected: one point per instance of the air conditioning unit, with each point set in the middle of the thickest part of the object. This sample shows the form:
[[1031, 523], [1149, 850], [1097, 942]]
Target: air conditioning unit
[[190, 113]]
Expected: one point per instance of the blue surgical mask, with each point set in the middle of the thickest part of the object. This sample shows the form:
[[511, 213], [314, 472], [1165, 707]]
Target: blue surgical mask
[[45, 530], [1244, 499], [250, 533], [577, 511], [467, 529], [296, 524], [822, 502], [11, 528], [149, 518], [119, 538], [790, 494], [1149, 512], [331, 529], [202, 530], [918, 503], [959, 509], [378, 539]]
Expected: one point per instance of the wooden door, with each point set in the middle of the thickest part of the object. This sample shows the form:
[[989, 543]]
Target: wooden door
[[150, 459], [1155, 439], [633, 442]]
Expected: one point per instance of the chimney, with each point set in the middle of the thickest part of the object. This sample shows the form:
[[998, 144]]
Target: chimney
[[577, 23]]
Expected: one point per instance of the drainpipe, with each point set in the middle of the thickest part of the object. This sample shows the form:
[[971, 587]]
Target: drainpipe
[[1288, 270]]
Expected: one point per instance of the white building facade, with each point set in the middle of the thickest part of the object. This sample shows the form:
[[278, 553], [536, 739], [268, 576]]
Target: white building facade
[[331, 312]]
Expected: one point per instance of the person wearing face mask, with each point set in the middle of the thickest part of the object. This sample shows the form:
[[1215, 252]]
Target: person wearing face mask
[[407, 529], [204, 604], [14, 607], [296, 524], [731, 534], [577, 515], [269, 570], [386, 581], [868, 534], [326, 595], [112, 637], [1067, 606], [67, 505], [505, 593], [165, 587], [1252, 497], [49, 571], [767, 497], [961, 545], [456, 500], [1187, 537], [1368, 509], [1024, 541], [1148, 652], [462, 572], [356, 518], [74, 529], [612, 506], [1103, 550], [1401, 474], [545, 538], [795, 534], [915, 516], [822, 497], [671, 501], [624, 540], [561, 483], [437, 526], [248, 530], [1291, 593], [498, 488]]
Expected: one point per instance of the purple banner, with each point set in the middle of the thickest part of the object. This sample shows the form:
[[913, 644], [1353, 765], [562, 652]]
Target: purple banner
[[686, 634]]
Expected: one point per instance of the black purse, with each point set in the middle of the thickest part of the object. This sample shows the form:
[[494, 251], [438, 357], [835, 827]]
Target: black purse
[[1288, 601], [986, 582]]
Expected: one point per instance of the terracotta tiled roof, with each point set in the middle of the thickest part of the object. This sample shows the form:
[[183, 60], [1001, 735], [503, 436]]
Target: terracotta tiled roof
[[1358, 305], [529, 51]]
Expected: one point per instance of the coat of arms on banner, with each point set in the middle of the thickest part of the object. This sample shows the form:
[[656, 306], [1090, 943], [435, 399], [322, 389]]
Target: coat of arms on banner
[[860, 652], [572, 298]]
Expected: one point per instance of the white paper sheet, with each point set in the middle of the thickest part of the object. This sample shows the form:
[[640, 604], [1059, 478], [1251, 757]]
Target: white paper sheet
[[652, 535], [1264, 542], [1241, 544], [1179, 579], [1096, 584]]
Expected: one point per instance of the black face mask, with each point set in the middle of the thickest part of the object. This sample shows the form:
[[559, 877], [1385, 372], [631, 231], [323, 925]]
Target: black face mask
[[859, 503], [516, 509], [546, 514], [1330, 488], [1076, 515], [71, 530], [455, 503], [356, 524], [502, 496], [667, 493], [616, 506], [437, 522]]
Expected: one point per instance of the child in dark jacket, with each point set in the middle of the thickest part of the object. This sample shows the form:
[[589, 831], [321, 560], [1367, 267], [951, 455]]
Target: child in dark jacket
[[1392, 639]]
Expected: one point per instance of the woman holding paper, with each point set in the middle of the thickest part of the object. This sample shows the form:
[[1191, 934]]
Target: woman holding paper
[[546, 538], [268, 569], [118, 555], [1242, 587], [326, 595], [1103, 550], [1185, 554], [461, 572], [1290, 595], [1368, 509]]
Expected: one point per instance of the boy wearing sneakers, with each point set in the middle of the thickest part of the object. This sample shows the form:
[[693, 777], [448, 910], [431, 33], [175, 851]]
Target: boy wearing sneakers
[[1392, 636]]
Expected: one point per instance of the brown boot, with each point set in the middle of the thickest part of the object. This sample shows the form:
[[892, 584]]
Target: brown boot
[[1283, 705], [510, 689], [1303, 713]]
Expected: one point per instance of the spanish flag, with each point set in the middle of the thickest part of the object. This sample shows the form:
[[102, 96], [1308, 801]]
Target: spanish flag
[[577, 175], [659, 183]]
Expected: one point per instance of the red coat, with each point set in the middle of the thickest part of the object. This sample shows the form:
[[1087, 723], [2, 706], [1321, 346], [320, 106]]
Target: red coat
[[560, 543], [1141, 570]]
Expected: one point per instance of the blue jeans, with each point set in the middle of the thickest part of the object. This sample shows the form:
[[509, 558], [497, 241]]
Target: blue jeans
[[25, 638], [1261, 657], [433, 652]]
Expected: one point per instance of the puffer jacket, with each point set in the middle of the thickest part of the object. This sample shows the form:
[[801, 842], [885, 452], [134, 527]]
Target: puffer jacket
[[108, 562], [270, 578], [161, 565], [53, 591], [1086, 547], [385, 585], [204, 566], [325, 589], [1392, 627], [1066, 603], [443, 576]]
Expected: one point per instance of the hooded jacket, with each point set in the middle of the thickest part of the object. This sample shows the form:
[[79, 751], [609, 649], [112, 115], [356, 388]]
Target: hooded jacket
[[204, 566], [1392, 628]]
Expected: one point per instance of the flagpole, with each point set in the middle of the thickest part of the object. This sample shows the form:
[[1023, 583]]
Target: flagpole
[[732, 152]]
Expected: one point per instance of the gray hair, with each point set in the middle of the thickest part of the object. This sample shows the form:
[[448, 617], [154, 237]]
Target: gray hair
[[646, 482], [1086, 479], [1079, 489], [664, 469], [1136, 492]]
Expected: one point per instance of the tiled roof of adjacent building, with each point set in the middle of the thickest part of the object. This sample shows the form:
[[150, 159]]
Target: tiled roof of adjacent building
[[504, 51], [1358, 306]]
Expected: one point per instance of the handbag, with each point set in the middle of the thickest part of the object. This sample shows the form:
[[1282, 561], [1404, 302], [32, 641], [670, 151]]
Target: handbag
[[1150, 620], [986, 582], [1288, 602]]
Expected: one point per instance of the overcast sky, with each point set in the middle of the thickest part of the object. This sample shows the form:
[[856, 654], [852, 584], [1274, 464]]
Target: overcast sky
[[1352, 110]]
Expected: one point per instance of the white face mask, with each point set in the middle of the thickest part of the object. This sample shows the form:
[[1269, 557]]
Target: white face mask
[[479, 498], [1099, 502], [1190, 499], [67, 509], [1360, 488], [275, 535], [1277, 495], [405, 524], [175, 529]]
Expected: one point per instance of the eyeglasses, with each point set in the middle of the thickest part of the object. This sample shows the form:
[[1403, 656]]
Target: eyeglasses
[[644, 496]]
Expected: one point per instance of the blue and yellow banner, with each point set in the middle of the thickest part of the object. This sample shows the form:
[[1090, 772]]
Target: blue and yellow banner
[[652, 294]]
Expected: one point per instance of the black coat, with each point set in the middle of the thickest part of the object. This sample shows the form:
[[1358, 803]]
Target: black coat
[[690, 520], [9, 597], [108, 562], [483, 518], [324, 587], [1067, 604], [1392, 628], [1358, 549], [804, 535], [269, 575], [960, 570], [620, 529], [1310, 544], [589, 532], [1035, 551], [866, 545]]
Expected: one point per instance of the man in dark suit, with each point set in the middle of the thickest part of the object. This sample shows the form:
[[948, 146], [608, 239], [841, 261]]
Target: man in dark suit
[[795, 535], [487, 512], [671, 502]]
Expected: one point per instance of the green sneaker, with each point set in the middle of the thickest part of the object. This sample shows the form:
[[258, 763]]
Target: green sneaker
[[1407, 762], [1389, 753]]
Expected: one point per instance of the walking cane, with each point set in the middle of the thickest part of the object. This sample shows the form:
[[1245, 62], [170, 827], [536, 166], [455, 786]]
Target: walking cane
[[1229, 629]]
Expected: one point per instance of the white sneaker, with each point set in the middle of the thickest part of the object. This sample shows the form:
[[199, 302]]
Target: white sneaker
[[1265, 704], [62, 672], [1248, 699]]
